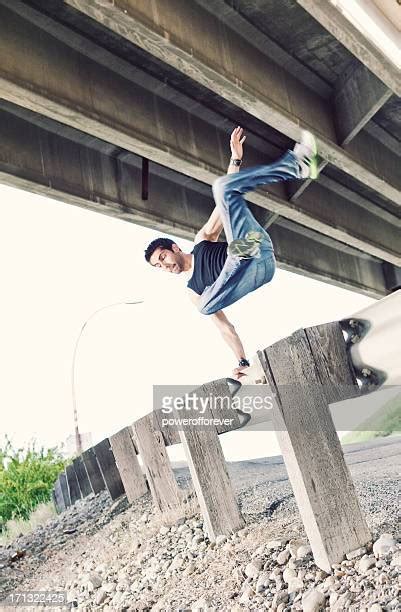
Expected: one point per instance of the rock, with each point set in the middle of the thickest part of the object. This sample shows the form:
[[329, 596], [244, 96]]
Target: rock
[[313, 601], [262, 582], [221, 539], [289, 574], [283, 557], [164, 530], [303, 551], [396, 560], [295, 584], [364, 564], [375, 608], [247, 594], [273, 544], [294, 544], [384, 544], [342, 603], [93, 581], [253, 568], [190, 568], [280, 597], [358, 552], [109, 587], [177, 563], [100, 597]]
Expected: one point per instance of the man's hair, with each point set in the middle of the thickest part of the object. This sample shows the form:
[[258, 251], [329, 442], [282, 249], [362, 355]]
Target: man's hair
[[164, 243]]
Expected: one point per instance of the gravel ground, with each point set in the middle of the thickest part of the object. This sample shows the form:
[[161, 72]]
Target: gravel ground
[[114, 556]]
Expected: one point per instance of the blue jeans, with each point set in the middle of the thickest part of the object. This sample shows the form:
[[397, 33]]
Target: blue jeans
[[241, 276]]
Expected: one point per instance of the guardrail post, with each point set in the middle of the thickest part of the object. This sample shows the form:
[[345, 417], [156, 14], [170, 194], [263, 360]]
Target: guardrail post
[[206, 459], [107, 465], [124, 450], [162, 483], [93, 470], [64, 489], [298, 370], [73, 485], [82, 475]]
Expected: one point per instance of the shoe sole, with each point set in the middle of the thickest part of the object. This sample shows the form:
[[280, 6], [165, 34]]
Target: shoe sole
[[248, 247], [311, 142]]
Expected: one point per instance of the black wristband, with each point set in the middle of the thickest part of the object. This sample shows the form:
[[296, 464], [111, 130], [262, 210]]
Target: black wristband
[[244, 362], [236, 162]]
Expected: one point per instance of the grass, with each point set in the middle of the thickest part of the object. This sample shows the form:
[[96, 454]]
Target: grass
[[27, 476], [385, 422], [14, 527]]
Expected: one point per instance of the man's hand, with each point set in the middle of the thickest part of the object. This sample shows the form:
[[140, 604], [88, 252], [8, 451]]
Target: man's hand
[[236, 142], [238, 373]]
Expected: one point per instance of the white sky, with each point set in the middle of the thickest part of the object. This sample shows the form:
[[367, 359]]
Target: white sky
[[60, 264]]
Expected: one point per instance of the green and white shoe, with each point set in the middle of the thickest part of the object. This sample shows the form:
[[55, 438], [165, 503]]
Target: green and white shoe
[[247, 247], [307, 154]]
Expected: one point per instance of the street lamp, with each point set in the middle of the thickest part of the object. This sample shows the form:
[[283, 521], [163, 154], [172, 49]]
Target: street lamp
[[78, 443]]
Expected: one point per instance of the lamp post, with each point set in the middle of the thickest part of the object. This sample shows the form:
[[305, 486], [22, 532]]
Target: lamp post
[[78, 442]]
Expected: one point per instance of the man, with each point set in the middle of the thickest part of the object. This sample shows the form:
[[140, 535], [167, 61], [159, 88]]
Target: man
[[223, 272]]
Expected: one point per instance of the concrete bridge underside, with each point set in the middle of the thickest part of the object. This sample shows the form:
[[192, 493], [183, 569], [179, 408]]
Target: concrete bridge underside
[[89, 88]]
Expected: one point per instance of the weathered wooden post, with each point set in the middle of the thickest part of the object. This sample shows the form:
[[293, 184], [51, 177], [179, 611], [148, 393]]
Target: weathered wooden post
[[151, 446], [73, 485], [107, 465], [82, 475], [93, 470], [205, 456], [305, 372], [64, 489], [128, 465], [57, 497]]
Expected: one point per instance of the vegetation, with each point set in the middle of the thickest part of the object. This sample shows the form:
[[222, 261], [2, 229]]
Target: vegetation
[[385, 422], [14, 527], [26, 479]]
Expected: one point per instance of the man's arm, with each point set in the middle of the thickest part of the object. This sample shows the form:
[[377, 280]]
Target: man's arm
[[213, 226], [229, 334], [226, 328]]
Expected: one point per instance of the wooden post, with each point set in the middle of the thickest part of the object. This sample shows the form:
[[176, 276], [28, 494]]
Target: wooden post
[[109, 470], [309, 443], [206, 459], [57, 496], [73, 485], [64, 489], [128, 465], [150, 444], [93, 470], [55, 502], [333, 364], [82, 475]]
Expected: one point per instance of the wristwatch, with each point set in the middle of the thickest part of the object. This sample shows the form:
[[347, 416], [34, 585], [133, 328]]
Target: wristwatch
[[236, 162], [244, 362]]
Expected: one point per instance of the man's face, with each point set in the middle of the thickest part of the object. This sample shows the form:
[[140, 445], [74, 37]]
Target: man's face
[[169, 261]]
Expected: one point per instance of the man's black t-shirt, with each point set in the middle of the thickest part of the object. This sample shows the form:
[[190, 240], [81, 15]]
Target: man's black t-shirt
[[209, 259]]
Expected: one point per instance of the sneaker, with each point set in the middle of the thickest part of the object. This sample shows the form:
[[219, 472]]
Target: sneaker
[[306, 152], [248, 247]]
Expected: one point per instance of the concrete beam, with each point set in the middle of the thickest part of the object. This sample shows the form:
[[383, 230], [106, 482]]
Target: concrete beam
[[104, 104], [333, 20], [191, 40], [46, 163], [359, 94]]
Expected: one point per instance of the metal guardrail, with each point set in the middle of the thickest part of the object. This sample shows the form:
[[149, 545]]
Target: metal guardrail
[[373, 337]]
